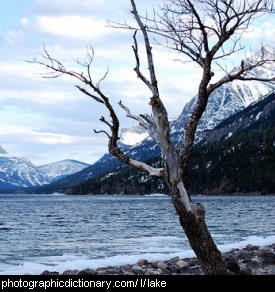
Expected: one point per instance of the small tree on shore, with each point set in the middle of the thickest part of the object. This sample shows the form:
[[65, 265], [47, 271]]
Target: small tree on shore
[[206, 31]]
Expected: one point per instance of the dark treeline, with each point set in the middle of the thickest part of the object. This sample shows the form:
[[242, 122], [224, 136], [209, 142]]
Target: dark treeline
[[243, 163]]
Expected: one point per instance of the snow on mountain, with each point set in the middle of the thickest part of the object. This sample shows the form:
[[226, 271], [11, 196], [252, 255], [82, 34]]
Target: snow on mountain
[[3, 151], [173, 117], [257, 115], [224, 102], [18, 172], [58, 170], [133, 136], [227, 100]]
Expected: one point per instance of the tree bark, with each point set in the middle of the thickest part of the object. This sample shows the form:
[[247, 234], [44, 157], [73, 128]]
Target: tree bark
[[200, 239]]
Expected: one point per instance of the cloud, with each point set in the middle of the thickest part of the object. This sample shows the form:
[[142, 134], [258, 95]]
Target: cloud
[[72, 7], [261, 31], [19, 69], [14, 134], [115, 10], [73, 26], [42, 96]]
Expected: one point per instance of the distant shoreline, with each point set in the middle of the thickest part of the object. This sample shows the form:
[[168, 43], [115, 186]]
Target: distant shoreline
[[193, 195], [252, 194]]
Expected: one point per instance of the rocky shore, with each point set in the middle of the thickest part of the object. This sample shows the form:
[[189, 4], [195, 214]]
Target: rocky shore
[[252, 260]]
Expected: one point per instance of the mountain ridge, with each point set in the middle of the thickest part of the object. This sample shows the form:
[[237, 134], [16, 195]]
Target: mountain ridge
[[60, 169], [242, 163], [226, 101], [16, 172], [223, 103]]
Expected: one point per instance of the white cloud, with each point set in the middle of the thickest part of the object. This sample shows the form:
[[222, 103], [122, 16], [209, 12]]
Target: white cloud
[[12, 37], [25, 21], [53, 7], [261, 33], [21, 69], [42, 96], [262, 30], [73, 26], [14, 134]]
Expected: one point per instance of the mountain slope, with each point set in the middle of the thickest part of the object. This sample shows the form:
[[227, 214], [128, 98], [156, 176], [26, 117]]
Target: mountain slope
[[238, 155], [17, 172], [3, 151], [58, 170], [226, 101], [223, 103], [244, 162], [256, 115]]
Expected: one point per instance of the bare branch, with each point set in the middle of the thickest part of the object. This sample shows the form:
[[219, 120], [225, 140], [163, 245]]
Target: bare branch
[[243, 72], [56, 69], [102, 131], [103, 78], [137, 68], [159, 111], [159, 172], [200, 28], [153, 79], [103, 120], [83, 90], [128, 113], [145, 122]]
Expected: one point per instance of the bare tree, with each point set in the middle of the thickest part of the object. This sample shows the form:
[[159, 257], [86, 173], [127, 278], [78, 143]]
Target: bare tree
[[206, 32], [186, 27]]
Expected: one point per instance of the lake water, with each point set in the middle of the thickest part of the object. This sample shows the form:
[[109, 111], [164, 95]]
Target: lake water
[[59, 232]]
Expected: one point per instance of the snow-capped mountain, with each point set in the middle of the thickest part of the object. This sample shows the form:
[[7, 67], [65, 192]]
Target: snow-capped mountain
[[132, 136], [58, 170], [228, 100], [224, 102], [238, 157], [3, 151], [18, 172], [255, 116]]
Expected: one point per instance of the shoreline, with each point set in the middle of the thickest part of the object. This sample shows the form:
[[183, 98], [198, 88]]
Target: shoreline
[[144, 195], [167, 195], [251, 260]]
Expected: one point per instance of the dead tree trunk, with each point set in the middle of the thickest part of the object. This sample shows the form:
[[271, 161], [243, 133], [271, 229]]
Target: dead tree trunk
[[200, 239], [192, 220]]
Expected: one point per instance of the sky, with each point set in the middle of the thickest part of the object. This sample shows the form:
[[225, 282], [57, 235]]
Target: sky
[[47, 120]]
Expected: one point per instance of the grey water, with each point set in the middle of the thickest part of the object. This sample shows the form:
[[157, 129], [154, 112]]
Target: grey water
[[60, 232]]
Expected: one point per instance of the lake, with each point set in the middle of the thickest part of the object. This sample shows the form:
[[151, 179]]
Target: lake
[[59, 232]]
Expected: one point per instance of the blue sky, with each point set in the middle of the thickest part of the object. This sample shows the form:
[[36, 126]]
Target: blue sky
[[11, 12], [49, 120]]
